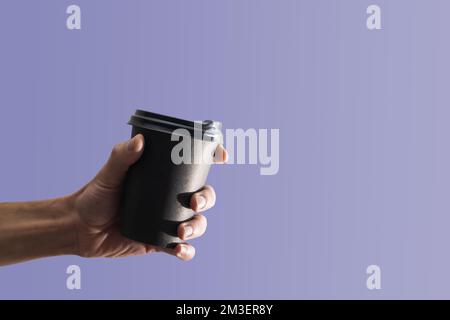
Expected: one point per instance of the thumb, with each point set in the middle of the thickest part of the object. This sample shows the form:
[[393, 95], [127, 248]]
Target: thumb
[[122, 157]]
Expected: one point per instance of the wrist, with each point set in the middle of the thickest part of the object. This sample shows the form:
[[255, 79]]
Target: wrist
[[68, 224]]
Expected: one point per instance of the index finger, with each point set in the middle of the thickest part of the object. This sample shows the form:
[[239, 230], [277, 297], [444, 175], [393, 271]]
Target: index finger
[[220, 155]]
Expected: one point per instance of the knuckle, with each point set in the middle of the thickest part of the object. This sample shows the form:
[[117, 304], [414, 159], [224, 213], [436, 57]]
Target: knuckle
[[202, 224], [211, 194], [191, 254]]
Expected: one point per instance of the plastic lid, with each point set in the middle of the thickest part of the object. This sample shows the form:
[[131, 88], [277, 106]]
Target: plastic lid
[[206, 130]]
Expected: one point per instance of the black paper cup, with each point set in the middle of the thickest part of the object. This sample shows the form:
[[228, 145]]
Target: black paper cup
[[157, 189]]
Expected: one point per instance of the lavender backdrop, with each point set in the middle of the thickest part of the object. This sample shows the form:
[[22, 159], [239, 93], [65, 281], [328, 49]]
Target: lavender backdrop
[[364, 176]]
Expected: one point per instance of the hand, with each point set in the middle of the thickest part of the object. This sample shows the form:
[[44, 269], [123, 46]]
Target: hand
[[96, 207]]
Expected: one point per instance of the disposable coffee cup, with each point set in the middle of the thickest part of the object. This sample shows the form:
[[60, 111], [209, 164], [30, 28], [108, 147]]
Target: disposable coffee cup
[[175, 164]]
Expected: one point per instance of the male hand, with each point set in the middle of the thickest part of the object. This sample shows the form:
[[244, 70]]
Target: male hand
[[96, 208]]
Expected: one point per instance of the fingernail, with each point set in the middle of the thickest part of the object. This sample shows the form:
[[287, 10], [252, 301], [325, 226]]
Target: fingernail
[[201, 202], [130, 145], [188, 231], [140, 145], [182, 252], [134, 145]]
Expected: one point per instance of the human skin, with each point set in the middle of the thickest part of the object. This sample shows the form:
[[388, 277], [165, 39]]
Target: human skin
[[85, 223]]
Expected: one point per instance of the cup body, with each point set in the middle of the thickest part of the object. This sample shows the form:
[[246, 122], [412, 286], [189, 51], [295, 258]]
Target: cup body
[[157, 191]]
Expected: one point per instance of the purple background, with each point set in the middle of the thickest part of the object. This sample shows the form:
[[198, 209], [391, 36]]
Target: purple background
[[363, 117]]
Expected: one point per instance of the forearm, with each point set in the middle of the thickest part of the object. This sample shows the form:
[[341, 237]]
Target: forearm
[[32, 230]]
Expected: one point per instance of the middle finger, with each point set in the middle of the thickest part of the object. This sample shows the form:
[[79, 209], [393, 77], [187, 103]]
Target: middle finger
[[193, 228]]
